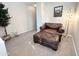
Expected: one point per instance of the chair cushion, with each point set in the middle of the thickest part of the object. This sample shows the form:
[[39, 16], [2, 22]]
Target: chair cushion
[[51, 31]]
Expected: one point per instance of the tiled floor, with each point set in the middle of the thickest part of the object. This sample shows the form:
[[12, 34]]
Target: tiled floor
[[24, 46]]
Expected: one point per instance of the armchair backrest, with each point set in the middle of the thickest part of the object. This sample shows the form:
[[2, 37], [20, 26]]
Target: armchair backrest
[[55, 26]]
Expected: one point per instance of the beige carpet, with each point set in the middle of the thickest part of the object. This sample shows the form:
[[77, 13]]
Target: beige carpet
[[24, 46]]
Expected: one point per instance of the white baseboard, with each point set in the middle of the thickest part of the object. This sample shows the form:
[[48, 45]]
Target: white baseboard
[[25, 31]]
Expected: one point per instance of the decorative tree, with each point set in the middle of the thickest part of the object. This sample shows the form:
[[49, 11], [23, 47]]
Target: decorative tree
[[4, 17]]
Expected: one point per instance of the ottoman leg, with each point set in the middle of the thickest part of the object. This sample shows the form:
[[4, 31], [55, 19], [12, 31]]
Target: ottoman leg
[[60, 38], [36, 39]]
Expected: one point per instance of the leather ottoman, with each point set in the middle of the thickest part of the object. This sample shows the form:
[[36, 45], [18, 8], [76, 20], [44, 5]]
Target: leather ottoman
[[47, 40]]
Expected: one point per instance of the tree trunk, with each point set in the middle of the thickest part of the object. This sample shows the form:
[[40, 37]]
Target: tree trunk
[[5, 31]]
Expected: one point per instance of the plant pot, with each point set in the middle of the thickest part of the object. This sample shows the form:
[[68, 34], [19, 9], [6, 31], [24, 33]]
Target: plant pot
[[7, 37]]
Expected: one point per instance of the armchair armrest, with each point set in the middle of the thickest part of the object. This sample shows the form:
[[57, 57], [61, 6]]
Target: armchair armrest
[[42, 27], [60, 30]]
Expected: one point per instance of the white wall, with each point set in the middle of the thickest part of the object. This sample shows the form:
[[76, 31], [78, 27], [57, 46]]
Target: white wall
[[1, 31], [22, 17], [76, 29]]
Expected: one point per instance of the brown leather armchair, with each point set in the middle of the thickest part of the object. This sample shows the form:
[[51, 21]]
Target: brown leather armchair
[[50, 35]]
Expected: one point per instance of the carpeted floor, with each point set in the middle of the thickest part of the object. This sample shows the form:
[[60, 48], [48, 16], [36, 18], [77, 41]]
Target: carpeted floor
[[23, 45]]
